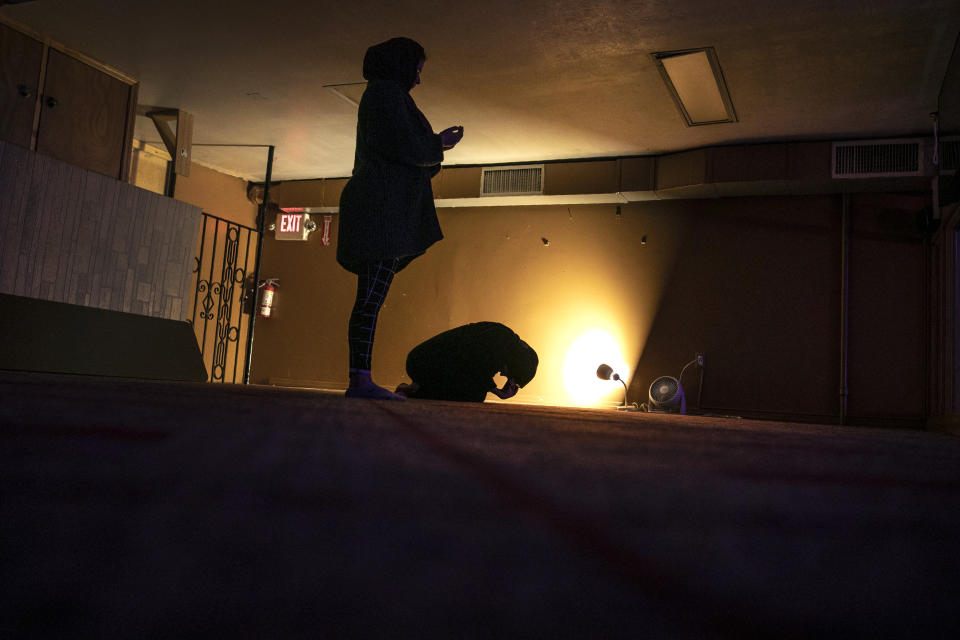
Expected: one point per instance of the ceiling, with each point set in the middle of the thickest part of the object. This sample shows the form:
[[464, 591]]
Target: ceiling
[[529, 80]]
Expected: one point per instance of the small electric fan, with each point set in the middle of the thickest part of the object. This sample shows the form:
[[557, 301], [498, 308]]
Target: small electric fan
[[666, 396]]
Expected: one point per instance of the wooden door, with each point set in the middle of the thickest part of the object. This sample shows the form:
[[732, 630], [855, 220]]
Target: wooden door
[[83, 118], [20, 61]]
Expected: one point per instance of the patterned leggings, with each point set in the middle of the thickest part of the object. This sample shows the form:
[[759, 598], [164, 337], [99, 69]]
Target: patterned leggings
[[373, 282]]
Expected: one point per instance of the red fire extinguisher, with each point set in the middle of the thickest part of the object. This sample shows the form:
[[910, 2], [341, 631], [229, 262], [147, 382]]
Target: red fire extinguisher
[[269, 287]]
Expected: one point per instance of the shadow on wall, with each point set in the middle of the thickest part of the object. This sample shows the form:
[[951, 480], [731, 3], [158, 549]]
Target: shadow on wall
[[758, 290]]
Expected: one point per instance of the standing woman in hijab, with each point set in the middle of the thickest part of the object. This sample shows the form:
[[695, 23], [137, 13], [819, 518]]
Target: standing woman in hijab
[[387, 216]]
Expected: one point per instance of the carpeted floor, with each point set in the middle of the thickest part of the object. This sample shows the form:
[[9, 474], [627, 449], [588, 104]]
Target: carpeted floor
[[165, 510]]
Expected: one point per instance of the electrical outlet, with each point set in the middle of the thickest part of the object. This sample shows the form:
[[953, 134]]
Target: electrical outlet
[[700, 360]]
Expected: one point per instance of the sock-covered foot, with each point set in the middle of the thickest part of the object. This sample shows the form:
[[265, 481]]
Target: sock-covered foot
[[361, 386]]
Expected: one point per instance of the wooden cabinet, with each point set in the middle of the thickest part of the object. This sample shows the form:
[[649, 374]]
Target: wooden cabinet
[[83, 115], [64, 105], [20, 60]]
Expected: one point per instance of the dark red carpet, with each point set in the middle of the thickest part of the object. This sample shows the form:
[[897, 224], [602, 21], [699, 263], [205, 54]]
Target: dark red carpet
[[162, 510]]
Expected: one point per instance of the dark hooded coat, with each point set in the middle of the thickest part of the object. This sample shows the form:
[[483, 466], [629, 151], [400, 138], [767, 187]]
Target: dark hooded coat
[[459, 364], [386, 209]]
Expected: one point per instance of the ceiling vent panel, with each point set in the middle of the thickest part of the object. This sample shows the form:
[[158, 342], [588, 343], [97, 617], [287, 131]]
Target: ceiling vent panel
[[512, 181], [878, 158]]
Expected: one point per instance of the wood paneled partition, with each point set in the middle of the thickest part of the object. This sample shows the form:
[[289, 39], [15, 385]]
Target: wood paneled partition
[[945, 323], [72, 235]]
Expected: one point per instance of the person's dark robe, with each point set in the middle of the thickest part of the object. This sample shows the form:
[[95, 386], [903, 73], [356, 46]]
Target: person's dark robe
[[460, 364], [386, 209]]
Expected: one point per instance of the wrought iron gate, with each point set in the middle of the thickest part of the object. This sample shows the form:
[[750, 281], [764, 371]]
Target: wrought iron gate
[[223, 296]]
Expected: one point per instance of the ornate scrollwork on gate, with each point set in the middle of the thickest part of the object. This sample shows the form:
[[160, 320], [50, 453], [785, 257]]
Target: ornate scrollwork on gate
[[223, 288], [225, 309]]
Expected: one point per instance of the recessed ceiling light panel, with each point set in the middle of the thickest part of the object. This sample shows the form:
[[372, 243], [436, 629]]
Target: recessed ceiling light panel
[[696, 83]]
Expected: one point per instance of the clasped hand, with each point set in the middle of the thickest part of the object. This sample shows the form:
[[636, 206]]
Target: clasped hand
[[450, 137], [509, 390]]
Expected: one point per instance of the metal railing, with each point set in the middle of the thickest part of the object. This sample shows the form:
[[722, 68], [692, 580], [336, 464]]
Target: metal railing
[[224, 270]]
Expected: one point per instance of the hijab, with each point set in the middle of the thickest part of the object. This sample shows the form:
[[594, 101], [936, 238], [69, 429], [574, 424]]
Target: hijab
[[396, 60], [522, 363]]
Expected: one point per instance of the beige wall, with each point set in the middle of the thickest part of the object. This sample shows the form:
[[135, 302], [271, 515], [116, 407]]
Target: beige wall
[[492, 265], [148, 167], [217, 194], [752, 282]]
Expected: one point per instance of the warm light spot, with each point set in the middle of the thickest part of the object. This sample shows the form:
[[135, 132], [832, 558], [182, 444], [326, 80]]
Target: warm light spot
[[586, 353]]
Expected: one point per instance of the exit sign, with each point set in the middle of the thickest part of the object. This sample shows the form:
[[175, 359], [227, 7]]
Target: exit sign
[[291, 226]]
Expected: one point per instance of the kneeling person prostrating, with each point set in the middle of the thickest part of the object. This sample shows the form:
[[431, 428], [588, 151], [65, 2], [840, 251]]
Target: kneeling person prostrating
[[460, 364]]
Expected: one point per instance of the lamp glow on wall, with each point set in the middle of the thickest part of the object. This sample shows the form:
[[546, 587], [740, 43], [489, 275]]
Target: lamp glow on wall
[[584, 355]]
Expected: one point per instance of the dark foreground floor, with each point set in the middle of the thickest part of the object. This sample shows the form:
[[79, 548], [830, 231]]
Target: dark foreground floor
[[174, 510]]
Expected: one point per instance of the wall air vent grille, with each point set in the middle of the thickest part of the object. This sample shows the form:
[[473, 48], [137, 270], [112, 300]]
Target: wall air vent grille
[[878, 158], [950, 153], [512, 181]]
